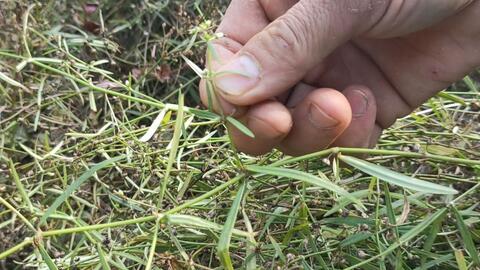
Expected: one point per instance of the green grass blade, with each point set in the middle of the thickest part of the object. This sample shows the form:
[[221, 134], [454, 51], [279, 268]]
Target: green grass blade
[[196, 222], [427, 246], [177, 133], [462, 264], [5, 78], [153, 246], [466, 237], [76, 184], [103, 257], [278, 249], [415, 231], [470, 84], [396, 178], [240, 126], [20, 186], [223, 246], [46, 258], [304, 177]]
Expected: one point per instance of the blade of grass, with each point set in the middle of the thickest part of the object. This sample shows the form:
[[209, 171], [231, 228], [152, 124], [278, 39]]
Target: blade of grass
[[396, 178], [11, 81], [177, 132], [304, 177], [102, 256], [415, 231], [153, 245], [240, 126], [278, 249], [76, 184], [427, 246], [466, 237], [46, 258], [223, 247], [21, 188], [462, 264], [470, 83], [154, 126]]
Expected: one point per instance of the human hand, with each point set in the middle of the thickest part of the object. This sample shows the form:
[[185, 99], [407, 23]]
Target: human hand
[[316, 73]]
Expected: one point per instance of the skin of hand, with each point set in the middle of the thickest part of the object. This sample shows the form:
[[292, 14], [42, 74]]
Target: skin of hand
[[310, 74]]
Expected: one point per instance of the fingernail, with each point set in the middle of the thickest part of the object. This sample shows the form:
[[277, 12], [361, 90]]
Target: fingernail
[[238, 76], [267, 130], [359, 103], [320, 119]]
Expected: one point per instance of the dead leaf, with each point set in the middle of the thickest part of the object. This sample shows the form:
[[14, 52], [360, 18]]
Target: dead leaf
[[163, 73], [406, 210]]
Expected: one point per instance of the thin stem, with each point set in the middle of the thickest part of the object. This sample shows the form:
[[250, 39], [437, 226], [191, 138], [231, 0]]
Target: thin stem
[[335, 150], [13, 209], [16, 248], [143, 219]]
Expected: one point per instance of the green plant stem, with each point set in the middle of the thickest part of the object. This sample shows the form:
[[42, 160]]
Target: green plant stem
[[143, 219], [13, 209], [16, 248], [336, 150]]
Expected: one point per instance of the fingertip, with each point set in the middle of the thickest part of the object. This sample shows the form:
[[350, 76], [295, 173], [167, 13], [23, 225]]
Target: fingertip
[[319, 119], [364, 110], [270, 122], [333, 106]]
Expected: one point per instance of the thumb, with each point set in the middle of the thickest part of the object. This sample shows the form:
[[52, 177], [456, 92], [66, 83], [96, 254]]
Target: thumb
[[275, 59], [278, 57]]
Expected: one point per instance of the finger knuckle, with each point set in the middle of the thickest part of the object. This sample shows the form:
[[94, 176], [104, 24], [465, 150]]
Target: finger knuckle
[[288, 38]]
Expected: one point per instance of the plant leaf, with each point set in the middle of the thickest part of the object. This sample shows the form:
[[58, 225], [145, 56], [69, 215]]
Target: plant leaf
[[154, 126], [466, 237], [462, 264], [193, 66], [304, 177], [396, 178], [419, 228], [76, 184], [177, 133], [46, 258], [240, 126], [11, 81], [223, 246]]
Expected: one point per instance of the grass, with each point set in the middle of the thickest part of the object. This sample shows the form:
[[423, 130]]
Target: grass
[[103, 166]]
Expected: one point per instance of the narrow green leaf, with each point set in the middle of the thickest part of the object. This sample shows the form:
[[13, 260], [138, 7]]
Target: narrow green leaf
[[466, 237], [470, 84], [11, 81], [223, 246], [355, 238], [343, 202], [46, 258], [175, 142], [278, 249], [76, 184], [427, 246], [462, 264], [153, 246], [415, 231], [441, 150], [304, 177], [103, 257], [193, 66], [21, 188], [196, 222], [240, 126], [452, 97], [396, 178]]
